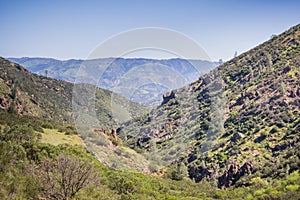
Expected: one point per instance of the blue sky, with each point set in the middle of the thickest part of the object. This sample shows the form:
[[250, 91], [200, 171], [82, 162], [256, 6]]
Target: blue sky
[[72, 29]]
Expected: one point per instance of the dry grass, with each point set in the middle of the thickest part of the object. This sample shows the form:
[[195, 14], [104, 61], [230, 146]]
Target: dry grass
[[52, 136]]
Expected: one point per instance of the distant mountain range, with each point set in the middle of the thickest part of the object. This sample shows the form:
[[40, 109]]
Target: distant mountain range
[[138, 79], [25, 93]]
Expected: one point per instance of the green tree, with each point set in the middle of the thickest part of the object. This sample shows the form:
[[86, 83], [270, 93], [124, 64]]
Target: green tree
[[177, 172]]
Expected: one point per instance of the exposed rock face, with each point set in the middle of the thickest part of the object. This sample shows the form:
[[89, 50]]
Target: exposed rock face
[[226, 179], [233, 174], [198, 173], [114, 134], [168, 96], [4, 103]]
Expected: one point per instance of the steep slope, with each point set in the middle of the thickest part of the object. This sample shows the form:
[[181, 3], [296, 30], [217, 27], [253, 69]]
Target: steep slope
[[242, 120], [29, 94], [116, 71]]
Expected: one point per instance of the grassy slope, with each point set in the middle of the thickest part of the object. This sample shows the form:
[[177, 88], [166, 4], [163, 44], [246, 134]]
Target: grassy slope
[[54, 137]]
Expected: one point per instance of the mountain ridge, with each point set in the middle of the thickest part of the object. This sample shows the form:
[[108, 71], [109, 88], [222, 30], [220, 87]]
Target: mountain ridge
[[114, 74], [234, 122]]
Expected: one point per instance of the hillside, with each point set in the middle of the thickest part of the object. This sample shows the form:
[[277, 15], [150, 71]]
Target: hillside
[[238, 122], [116, 71], [30, 94], [236, 126], [60, 167], [40, 158]]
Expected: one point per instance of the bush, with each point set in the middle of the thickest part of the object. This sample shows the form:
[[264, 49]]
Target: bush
[[69, 130], [47, 125], [19, 134]]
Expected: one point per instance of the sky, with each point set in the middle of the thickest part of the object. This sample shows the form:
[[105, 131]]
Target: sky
[[72, 29]]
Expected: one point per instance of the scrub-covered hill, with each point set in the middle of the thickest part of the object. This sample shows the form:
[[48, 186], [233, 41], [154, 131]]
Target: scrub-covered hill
[[240, 121]]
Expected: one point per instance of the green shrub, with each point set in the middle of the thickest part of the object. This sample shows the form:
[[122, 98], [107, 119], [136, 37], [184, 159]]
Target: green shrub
[[19, 134], [47, 125]]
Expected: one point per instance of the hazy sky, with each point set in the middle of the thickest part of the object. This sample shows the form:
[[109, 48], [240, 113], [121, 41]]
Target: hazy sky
[[72, 29]]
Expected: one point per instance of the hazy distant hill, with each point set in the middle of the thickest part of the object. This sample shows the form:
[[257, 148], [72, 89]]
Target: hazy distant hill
[[30, 94], [240, 121], [140, 80]]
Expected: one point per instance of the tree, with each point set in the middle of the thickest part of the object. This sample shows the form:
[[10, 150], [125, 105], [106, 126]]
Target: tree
[[235, 54], [273, 36], [64, 177], [177, 172], [14, 184]]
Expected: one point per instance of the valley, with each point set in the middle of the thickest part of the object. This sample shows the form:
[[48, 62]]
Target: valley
[[224, 131]]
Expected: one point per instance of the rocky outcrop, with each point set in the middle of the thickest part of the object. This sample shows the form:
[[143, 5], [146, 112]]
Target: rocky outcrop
[[168, 96], [233, 173], [226, 179], [199, 173], [4, 103], [112, 133]]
